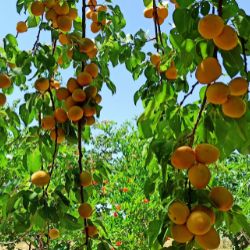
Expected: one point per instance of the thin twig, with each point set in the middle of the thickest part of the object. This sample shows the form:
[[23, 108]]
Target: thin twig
[[243, 45], [37, 38], [189, 93]]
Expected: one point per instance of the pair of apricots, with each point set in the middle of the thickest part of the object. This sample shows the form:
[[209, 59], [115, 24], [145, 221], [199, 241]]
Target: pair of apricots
[[159, 13], [5, 82]]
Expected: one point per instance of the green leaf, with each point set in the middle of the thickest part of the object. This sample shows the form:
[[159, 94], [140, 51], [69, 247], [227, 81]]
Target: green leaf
[[34, 160], [154, 230], [103, 246], [148, 3]]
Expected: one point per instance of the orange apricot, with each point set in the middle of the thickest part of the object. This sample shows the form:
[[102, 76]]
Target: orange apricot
[[79, 95], [21, 27], [183, 157], [73, 13], [64, 23], [63, 39], [61, 9], [72, 84], [162, 12], [98, 98], [95, 27], [37, 8], [149, 12], [92, 69], [48, 122], [42, 84], [217, 93], [84, 78], [181, 234], [40, 178], [50, 3], [85, 179], [51, 15], [58, 135], [89, 110], [91, 91], [69, 102], [178, 212], [155, 59], [208, 211], [206, 153], [60, 115], [75, 113], [62, 93], [54, 233], [3, 99], [238, 86], [89, 121], [85, 210], [235, 107], [210, 240], [5, 81], [91, 231]]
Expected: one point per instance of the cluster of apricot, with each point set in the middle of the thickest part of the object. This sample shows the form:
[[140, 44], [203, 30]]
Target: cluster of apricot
[[212, 27], [93, 13], [197, 222], [159, 13], [5, 82], [171, 73]]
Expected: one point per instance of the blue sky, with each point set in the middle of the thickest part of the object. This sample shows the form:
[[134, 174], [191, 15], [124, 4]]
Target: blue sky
[[119, 107]]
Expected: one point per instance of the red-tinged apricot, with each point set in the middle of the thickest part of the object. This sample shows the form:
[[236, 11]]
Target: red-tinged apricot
[[64, 23], [37, 8], [21, 27], [75, 113], [85, 210], [85, 179], [178, 212], [208, 211], [72, 84], [235, 107], [64, 39], [149, 12], [60, 115], [181, 234], [5, 81], [198, 223], [91, 231], [171, 73], [217, 93], [199, 175], [91, 91], [92, 69], [62, 93], [210, 26], [238, 86], [89, 110], [57, 135], [227, 40], [54, 233], [183, 157], [95, 27], [40, 178], [48, 122], [206, 153], [73, 13], [210, 240], [61, 9], [209, 70], [221, 198], [3, 99], [79, 95], [84, 78], [69, 102], [42, 84]]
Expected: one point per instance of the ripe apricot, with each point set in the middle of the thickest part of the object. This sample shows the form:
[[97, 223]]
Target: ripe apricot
[[75, 113], [238, 86], [59, 135], [21, 27], [79, 95], [89, 121], [37, 8], [227, 40], [171, 73], [235, 107], [206, 153], [72, 84], [64, 23], [51, 15], [149, 12], [2, 99], [40, 178], [162, 12], [85, 179], [183, 157], [54, 233], [92, 69], [210, 240], [95, 27], [221, 198], [42, 84], [208, 211], [217, 93], [178, 212], [63, 39], [94, 16], [89, 110], [91, 92], [91, 54], [69, 102], [92, 4], [208, 70], [85, 210], [84, 78], [86, 45], [48, 122], [73, 13], [60, 115], [98, 98], [5, 81], [181, 234], [91, 231], [89, 13], [62, 93], [155, 59], [198, 223], [61, 9], [49, 3], [199, 175], [210, 26]]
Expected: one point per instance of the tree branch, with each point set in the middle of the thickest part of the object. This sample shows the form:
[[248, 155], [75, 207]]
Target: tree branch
[[189, 93]]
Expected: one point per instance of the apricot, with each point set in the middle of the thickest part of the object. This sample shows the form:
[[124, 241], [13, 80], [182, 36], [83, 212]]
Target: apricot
[[91, 92], [89, 13], [62, 93], [79, 95], [238, 86], [70, 53], [64, 23], [48, 122], [50, 3], [40, 178], [85, 210], [208, 70], [72, 84], [73, 13], [98, 98], [75, 113], [37, 8], [84, 78], [221, 198], [3, 99], [91, 230], [95, 27], [227, 40], [60, 135], [60, 115], [210, 240], [63, 39], [51, 15], [171, 73], [217, 93], [149, 12], [208, 211], [85, 179], [183, 157], [89, 110], [42, 84], [181, 234], [21, 27], [91, 54], [101, 8], [235, 107], [69, 102], [199, 175], [86, 45], [5, 81], [162, 12], [92, 69], [155, 59], [54, 233], [198, 223], [206, 153], [210, 26], [92, 4], [178, 212], [61, 9], [89, 121], [94, 16]]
